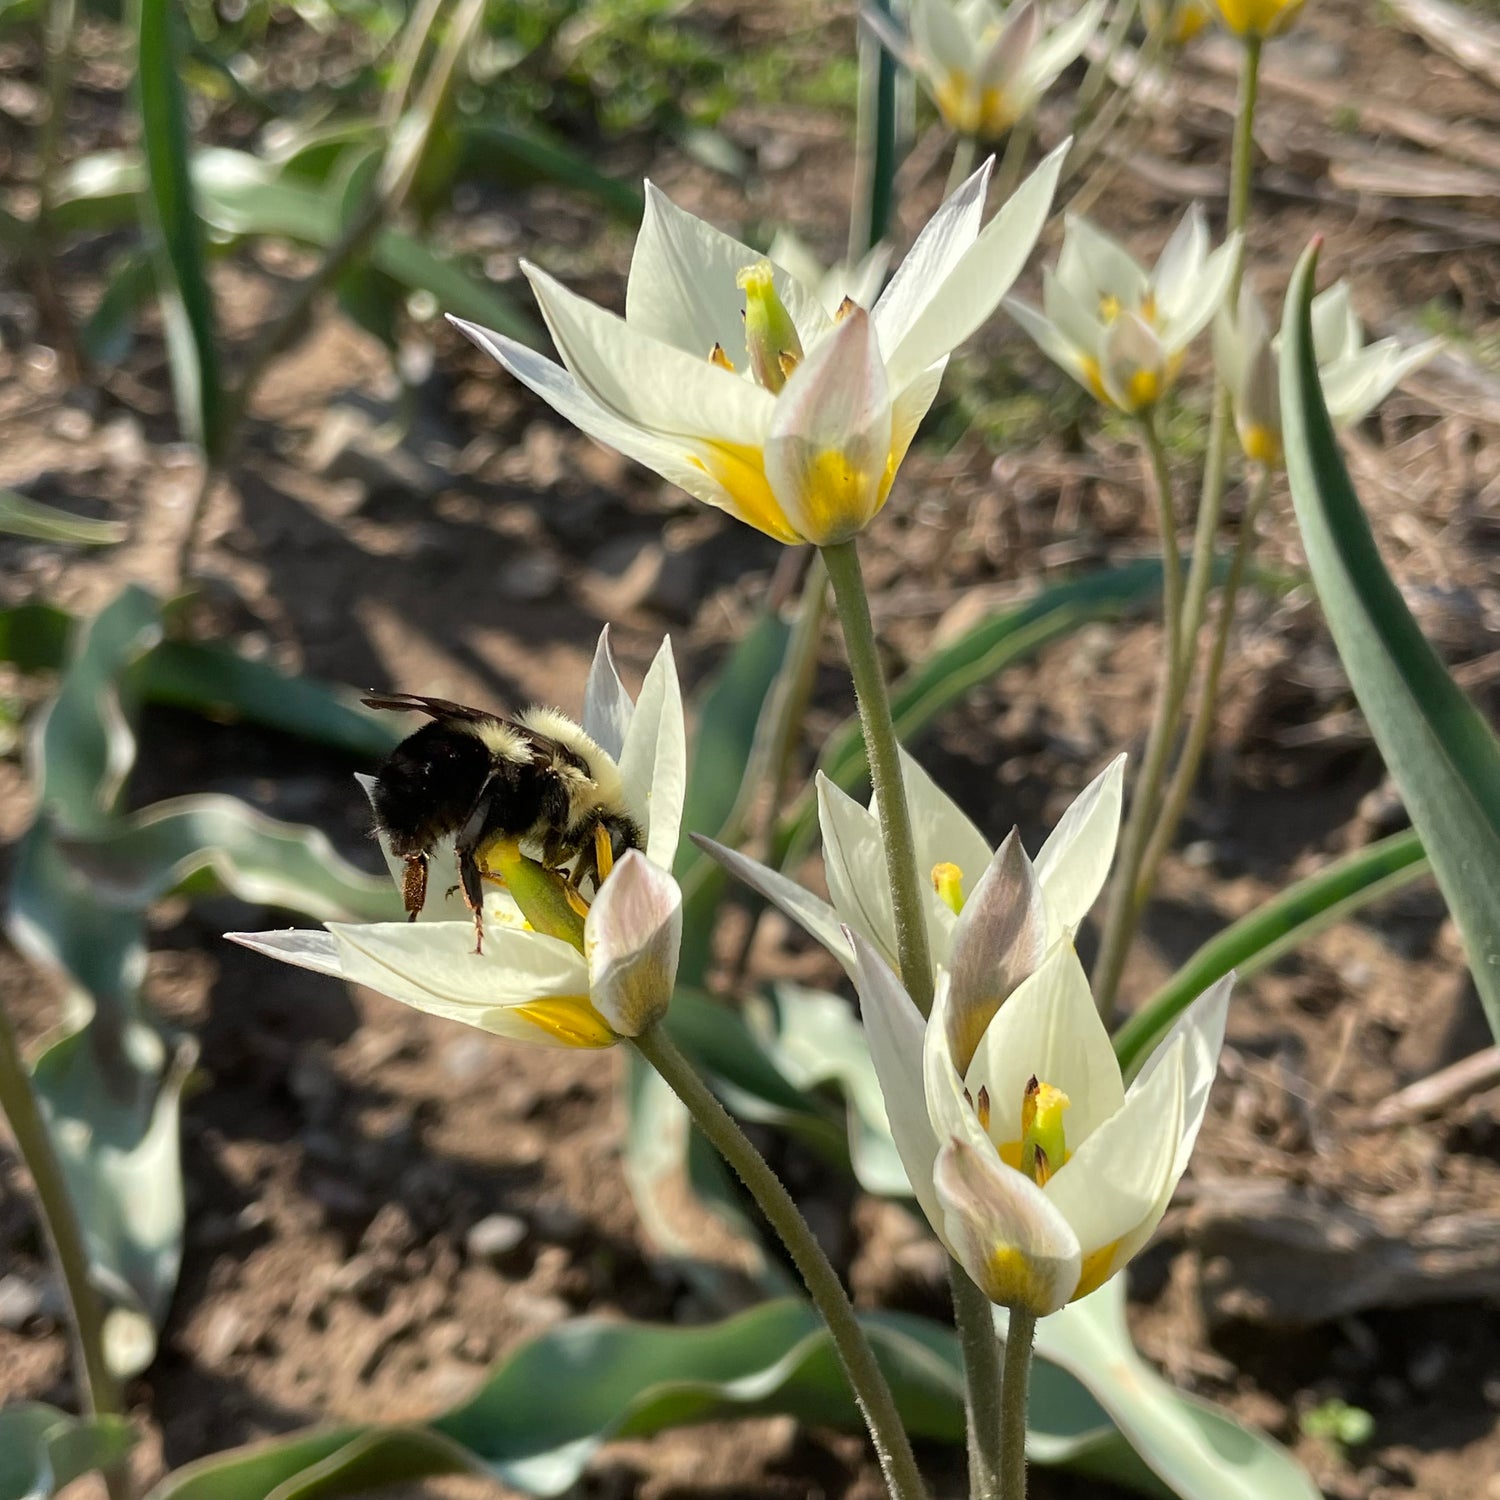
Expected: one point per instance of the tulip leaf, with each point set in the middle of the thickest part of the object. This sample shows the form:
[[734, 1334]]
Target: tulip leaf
[[34, 637], [43, 1449], [218, 682], [187, 302], [487, 145], [1268, 933], [46, 523], [1196, 1449], [140, 858], [1444, 757], [631, 1380]]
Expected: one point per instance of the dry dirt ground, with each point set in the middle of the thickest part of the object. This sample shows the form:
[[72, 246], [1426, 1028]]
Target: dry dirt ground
[[341, 1148]]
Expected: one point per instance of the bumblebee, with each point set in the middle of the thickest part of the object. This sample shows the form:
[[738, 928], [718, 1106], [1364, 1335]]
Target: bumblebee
[[537, 779]]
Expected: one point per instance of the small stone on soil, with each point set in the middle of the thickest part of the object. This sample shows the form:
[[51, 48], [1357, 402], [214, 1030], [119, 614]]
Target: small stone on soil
[[495, 1236]]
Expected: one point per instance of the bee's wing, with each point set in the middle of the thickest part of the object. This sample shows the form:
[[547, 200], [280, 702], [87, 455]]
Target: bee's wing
[[437, 708]]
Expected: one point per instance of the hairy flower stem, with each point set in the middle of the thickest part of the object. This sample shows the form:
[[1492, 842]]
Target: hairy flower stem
[[1123, 909], [1013, 163], [1185, 772], [884, 756], [892, 1446], [982, 1383], [962, 164], [1015, 1395], [1127, 895], [99, 1391]]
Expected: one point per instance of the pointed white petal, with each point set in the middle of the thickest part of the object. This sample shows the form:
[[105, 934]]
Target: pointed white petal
[[1181, 262], [1017, 1248], [1336, 328], [951, 1113], [632, 939], [1010, 50], [655, 384], [854, 866], [1077, 321], [829, 442], [607, 707], [1093, 264], [999, 939], [891, 37], [1200, 1029], [683, 289], [983, 275], [1060, 48], [894, 1029], [669, 457], [1050, 340], [948, 234], [940, 36], [653, 759], [1202, 300], [1049, 1029], [909, 406], [307, 948], [1113, 1182], [815, 916], [944, 832], [1354, 387], [1075, 860]]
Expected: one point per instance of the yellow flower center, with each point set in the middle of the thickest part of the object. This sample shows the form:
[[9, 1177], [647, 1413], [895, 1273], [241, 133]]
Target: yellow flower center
[[571, 1019], [1043, 1147], [948, 882], [770, 334]]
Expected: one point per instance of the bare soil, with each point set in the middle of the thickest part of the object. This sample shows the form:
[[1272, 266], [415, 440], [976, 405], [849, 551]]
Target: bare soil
[[340, 1147]]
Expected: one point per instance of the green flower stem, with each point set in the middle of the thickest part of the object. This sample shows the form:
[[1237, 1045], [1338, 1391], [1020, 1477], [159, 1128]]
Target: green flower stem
[[892, 1446], [982, 1384], [1013, 163], [1123, 909], [1185, 772], [99, 1390], [883, 754], [1097, 73], [1014, 1397], [962, 164], [1127, 896]]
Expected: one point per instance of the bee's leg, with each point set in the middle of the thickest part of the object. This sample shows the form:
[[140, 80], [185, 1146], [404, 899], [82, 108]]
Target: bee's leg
[[604, 854], [473, 889], [414, 885]]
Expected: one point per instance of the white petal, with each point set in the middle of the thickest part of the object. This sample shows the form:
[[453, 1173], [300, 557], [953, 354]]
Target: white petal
[[1051, 341], [1113, 1182], [951, 1113], [830, 439], [1017, 1248], [683, 289], [653, 760], [661, 387], [307, 948], [1353, 388], [943, 831], [910, 405], [1059, 48], [894, 1029], [607, 707], [1077, 319], [1093, 264], [433, 966], [1010, 50], [1181, 262], [983, 275], [947, 235], [941, 37], [1200, 1029], [1336, 328], [1075, 860], [854, 866], [1203, 299], [1049, 1029], [670, 458], [999, 939], [632, 939], [816, 917]]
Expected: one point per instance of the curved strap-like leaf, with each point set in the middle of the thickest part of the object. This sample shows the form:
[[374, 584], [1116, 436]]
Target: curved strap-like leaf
[[1444, 757]]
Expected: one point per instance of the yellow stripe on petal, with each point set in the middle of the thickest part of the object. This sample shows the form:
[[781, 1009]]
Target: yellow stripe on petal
[[839, 500], [570, 1020], [1098, 1267], [741, 470]]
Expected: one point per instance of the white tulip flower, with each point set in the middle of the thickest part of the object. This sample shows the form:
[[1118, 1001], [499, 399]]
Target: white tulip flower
[[955, 861], [1038, 1169], [1355, 377], [612, 975], [985, 66], [728, 377], [1119, 330]]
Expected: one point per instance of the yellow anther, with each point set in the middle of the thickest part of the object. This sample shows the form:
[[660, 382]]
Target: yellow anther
[[788, 363], [844, 308], [770, 334], [948, 882], [717, 356], [1110, 307]]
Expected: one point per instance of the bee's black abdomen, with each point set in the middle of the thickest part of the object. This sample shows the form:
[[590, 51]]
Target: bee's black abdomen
[[428, 786]]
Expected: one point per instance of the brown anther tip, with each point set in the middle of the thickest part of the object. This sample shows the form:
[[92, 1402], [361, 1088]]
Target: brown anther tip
[[788, 362], [1032, 1085], [847, 306]]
